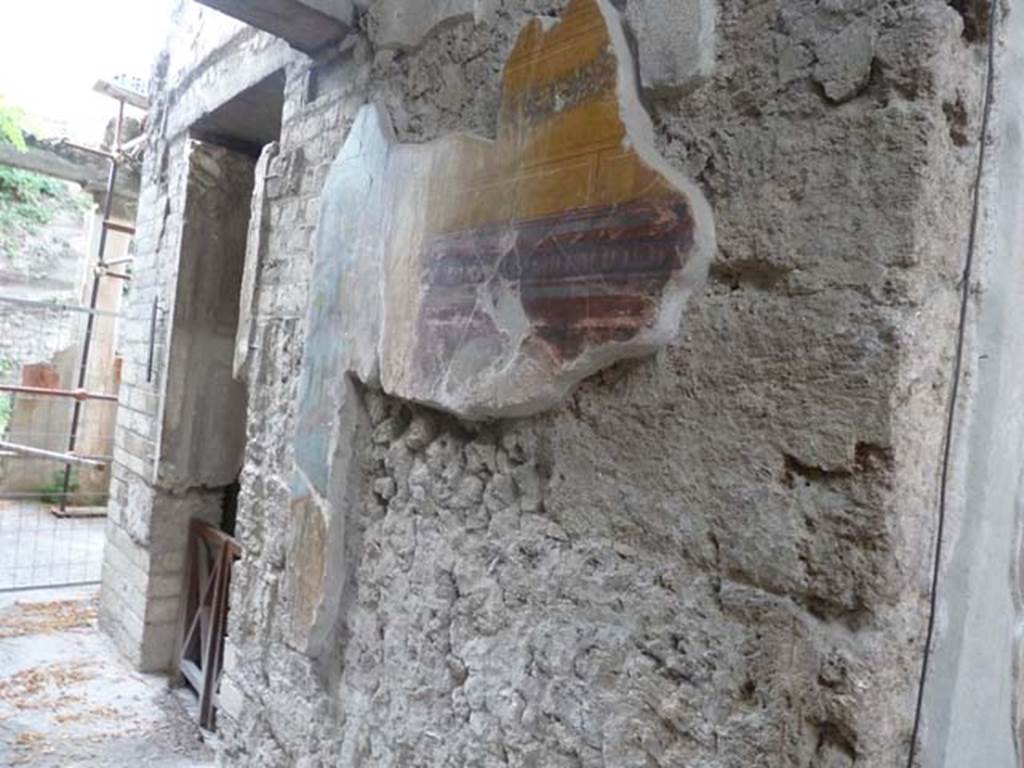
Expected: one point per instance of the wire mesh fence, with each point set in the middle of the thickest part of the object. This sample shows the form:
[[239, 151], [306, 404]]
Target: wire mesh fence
[[41, 550], [58, 410]]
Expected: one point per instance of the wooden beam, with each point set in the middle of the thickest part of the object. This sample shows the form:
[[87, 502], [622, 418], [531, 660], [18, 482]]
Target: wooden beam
[[68, 164]]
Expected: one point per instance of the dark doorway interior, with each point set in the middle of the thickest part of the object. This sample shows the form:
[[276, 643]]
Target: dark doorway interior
[[249, 121]]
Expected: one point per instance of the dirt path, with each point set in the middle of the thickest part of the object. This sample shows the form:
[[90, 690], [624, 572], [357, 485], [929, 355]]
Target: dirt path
[[67, 699]]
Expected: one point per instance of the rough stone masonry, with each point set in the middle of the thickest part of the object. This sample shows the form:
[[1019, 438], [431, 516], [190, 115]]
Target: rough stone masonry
[[719, 555]]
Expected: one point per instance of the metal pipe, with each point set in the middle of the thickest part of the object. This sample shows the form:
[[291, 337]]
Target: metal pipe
[[117, 226], [152, 341], [7, 454], [128, 146], [34, 495], [11, 590], [116, 262], [120, 123], [64, 458], [91, 150], [56, 306], [77, 394]]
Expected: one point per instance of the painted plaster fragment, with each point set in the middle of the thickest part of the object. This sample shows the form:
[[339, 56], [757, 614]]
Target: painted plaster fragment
[[488, 277]]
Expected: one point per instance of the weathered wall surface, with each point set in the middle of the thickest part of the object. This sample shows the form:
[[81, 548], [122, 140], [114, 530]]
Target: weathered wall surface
[[47, 264], [719, 556], [972, 712], [143, 559], [204, 407], [716, 557], [210, 61]]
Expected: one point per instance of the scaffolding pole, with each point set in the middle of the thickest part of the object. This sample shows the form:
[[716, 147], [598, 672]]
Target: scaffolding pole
[[40, 453], [77, 394], [98, 274]]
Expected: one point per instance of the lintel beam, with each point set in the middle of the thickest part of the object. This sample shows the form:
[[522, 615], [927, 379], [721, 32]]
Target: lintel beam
[[307, 25]]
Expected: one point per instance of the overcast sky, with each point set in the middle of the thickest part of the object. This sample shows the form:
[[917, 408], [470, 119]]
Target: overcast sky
[[53, 51]]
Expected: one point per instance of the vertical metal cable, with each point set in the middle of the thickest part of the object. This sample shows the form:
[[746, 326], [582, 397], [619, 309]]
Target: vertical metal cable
[[951, 410]]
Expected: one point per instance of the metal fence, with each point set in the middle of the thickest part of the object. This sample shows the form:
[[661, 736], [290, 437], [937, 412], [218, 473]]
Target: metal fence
[[56, 440]]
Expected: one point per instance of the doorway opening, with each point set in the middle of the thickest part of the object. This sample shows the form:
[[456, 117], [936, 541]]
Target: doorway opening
[[205, 405]]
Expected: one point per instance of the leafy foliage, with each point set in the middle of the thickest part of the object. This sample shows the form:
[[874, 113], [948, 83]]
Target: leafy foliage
[[11, 120], [51, 492], [5, 413], [6, 404], [28, 200], [30, 193]]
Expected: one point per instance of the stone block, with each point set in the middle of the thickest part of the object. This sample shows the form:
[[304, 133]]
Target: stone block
[[203, 430], [120, 608], [158, 644], [403, 25], [121, 540], [844, 62], [230, 698], [162, 610], [255, 254], [675, 41], [230, 656], [171, 513], [127, 461]]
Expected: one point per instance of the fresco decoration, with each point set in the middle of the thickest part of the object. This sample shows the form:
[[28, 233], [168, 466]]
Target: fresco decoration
[[487, 277]]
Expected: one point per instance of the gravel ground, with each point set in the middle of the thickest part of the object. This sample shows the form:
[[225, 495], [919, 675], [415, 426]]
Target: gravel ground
[[67, 698]]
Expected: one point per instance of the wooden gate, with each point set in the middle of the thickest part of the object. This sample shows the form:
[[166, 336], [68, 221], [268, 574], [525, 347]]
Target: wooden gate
[[204, 614]]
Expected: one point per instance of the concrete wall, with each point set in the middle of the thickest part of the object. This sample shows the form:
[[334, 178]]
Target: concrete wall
[[39, 422], [718, 556]]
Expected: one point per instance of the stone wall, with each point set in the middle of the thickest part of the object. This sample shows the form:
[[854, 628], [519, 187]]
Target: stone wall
[[181, 419], [716, 556], [141, 582], [210, 60], [972, 699], [49, 265], [204, 407]]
